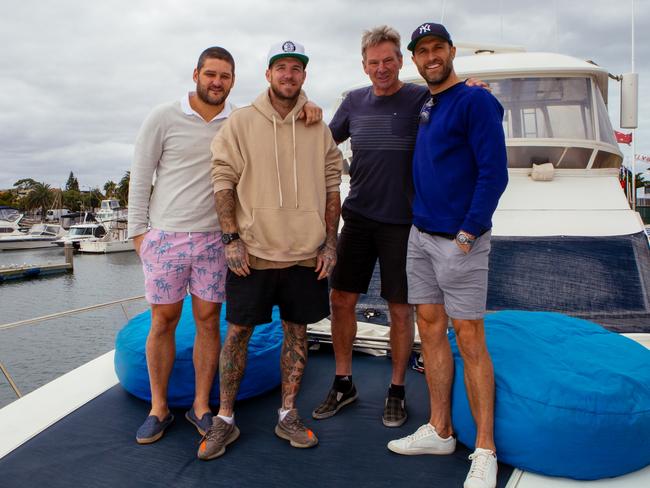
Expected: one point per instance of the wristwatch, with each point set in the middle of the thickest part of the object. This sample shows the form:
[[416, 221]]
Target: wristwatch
[[464, 238], [228, 238]]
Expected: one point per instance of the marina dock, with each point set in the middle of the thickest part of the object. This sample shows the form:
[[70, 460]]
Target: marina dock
[[26, 271]]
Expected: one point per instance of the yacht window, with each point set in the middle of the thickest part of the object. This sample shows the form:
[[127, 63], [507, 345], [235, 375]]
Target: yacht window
[[546, 107]]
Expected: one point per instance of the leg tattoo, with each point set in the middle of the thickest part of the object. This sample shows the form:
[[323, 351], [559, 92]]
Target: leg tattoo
[[292, 361], [232, 364]]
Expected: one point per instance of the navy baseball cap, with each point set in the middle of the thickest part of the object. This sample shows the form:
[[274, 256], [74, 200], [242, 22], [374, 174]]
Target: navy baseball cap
[[429, 29]]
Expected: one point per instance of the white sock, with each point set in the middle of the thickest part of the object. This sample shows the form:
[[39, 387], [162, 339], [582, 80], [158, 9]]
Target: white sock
[[228, 420], [282, 413]]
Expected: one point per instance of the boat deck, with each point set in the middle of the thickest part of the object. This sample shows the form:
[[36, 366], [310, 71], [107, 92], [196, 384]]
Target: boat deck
[[95, 445]]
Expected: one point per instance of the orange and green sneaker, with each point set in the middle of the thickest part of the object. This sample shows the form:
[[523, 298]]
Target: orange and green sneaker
[[292, 429]]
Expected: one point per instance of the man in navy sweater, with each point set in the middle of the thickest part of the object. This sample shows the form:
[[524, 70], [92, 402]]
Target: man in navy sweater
[[459, 173]]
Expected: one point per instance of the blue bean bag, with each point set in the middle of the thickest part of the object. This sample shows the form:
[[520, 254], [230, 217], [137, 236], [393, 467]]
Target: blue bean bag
[[572, 399], [262, 369]]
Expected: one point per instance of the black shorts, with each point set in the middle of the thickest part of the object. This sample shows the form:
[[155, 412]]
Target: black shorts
[[301, 297], [361, 243]]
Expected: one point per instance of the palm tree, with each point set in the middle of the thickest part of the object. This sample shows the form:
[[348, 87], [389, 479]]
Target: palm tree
[[123, 189], [110, 189], [40, 196]]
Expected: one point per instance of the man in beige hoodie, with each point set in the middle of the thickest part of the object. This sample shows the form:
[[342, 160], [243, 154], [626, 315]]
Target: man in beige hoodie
[[276, 183]]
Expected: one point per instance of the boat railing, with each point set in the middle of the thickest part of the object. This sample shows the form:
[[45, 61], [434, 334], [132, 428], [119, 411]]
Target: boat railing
[[45, 318]]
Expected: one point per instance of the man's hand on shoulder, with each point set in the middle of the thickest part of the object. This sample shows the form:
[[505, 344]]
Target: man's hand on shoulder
[[311, 112], [479, 83]]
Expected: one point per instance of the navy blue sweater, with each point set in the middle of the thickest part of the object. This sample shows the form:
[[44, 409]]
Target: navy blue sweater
[[460, 167]]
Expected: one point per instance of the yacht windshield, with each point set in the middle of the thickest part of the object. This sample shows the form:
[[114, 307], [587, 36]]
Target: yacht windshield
[[81, 231], [558, 108], [555, 108]]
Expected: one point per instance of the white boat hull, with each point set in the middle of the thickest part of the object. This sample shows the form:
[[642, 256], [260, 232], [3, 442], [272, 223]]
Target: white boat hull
[[104, 247], [8, 244]]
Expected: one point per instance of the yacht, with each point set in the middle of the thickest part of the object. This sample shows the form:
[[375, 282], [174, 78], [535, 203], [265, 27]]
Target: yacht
[[82, 232], [115, 240], [109, 210], [39, 236], [567, 242], [10, 219]]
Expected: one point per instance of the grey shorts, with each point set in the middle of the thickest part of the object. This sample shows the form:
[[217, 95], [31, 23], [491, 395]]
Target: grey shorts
[[438, 272]]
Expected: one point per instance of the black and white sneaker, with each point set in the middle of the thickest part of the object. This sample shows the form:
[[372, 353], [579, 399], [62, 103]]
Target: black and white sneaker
[[334, 402]]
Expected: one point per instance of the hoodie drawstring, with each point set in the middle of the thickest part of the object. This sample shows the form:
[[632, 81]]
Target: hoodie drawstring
[[295, 166], [277, 159]]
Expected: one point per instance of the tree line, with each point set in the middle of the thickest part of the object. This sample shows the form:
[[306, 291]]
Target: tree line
[[28, 194]]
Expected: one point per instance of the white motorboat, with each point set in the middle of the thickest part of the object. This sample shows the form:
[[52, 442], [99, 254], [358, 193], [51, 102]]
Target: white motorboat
[[82, 232], [10, 219], [115, 240], [39, 236], [110, 210]]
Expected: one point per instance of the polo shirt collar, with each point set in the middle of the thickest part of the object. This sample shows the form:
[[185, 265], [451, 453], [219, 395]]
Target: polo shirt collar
[[188, 110]]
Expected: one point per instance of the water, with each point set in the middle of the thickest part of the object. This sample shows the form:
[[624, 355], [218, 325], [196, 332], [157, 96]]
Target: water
[[37, 353]]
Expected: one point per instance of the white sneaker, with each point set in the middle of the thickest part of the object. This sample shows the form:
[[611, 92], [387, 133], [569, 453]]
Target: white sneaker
[[483, 473], [425, 440]]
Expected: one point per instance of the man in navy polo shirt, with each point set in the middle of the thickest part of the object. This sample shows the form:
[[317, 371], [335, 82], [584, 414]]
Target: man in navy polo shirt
[[382, 122], [459, 172]]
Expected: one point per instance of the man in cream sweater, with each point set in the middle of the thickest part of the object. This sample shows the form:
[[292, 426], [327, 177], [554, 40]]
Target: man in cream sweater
[[182, 248], [277, 188]]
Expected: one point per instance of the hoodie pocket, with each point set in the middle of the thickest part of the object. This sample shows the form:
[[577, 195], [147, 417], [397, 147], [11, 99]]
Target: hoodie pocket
[[293, 232]]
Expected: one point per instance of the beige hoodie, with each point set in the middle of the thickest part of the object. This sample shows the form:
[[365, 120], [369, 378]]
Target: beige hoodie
[[281, 171]]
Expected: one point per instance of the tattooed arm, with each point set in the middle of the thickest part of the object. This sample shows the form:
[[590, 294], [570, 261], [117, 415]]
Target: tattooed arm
[[326, 258], [236, 253]]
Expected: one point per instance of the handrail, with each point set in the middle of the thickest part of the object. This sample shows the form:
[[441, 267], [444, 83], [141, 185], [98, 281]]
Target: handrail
[[43, 318], [10, 380], [11, 325]]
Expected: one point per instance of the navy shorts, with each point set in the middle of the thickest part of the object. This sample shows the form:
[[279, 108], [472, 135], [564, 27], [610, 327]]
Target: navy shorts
[[361, 243]]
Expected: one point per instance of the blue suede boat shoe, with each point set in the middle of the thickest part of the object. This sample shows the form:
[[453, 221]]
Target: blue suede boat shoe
[[202, 424], [153, 429]]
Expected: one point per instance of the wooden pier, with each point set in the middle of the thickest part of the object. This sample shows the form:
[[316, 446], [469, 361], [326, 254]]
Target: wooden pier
[[26, 271]]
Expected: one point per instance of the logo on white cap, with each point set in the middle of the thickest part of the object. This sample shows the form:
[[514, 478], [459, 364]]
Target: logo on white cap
[[425, 28], [288, 47]]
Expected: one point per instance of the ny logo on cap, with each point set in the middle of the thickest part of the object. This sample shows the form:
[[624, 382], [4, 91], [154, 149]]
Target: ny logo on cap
[[288, 47], [425, 28]]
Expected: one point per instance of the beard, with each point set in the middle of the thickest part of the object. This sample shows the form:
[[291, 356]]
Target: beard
[[205, 96], [435, 80], [282, 96]]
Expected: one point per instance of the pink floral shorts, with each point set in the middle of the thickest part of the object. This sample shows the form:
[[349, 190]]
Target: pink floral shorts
[[177, 262]]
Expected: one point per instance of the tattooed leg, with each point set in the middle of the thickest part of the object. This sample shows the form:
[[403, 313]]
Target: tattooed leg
[[292, 361], [231, 366]]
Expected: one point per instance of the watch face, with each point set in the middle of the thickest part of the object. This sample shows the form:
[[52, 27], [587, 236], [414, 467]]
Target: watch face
[[228, 238]]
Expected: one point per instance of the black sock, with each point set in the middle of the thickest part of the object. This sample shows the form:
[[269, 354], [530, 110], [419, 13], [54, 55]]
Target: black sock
[[396, 391], [342, 383]]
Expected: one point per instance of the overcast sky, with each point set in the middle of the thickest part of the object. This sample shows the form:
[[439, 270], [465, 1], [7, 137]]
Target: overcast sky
[[78, 77]]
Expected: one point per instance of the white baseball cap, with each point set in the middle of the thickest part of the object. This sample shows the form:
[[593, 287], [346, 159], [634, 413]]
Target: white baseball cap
[[287, 49]]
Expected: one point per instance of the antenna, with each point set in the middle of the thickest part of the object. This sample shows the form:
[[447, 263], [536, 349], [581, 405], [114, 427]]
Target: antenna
[[633, 130]]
